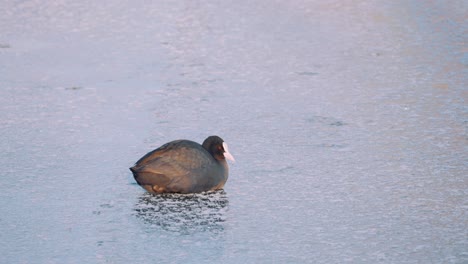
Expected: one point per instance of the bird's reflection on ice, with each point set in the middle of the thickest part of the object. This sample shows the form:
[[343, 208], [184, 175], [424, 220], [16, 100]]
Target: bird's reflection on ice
[[184, 213]]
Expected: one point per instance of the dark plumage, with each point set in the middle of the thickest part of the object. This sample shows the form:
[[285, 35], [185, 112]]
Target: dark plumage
[[184, 166]]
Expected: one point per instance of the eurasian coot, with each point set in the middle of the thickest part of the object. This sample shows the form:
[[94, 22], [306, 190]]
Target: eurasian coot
[[184, 166]]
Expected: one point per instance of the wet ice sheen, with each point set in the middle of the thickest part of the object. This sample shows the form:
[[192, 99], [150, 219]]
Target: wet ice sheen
[[347, 121]]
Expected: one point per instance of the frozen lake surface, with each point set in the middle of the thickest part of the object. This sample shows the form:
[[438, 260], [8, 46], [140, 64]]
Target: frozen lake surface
[[348, 121]]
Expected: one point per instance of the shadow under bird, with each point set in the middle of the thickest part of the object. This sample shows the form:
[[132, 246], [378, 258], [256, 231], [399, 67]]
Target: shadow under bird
[[184, 166]]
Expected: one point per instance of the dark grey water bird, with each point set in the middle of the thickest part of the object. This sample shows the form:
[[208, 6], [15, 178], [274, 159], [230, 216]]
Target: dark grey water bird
[[184, 166]]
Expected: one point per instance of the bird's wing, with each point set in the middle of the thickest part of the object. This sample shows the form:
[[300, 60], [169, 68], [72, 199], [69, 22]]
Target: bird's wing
[[174, 171]]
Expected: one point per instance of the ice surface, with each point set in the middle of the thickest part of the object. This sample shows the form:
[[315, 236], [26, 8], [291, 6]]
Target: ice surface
[[348, 121]]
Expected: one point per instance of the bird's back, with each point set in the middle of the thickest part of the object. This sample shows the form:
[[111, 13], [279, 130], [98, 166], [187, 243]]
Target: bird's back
[[178, 166]]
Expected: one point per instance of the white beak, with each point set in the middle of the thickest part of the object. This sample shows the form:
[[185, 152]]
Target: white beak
[[227, 155]]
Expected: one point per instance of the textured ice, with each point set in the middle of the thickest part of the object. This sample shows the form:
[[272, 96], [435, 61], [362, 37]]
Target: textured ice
[[347, 120]]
